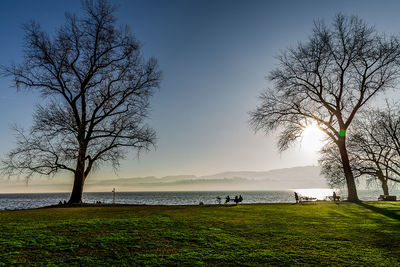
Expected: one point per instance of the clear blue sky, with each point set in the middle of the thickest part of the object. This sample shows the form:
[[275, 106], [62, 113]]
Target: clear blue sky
[[214, 56]]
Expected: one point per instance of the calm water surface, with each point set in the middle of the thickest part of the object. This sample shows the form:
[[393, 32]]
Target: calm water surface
[[26, 201]]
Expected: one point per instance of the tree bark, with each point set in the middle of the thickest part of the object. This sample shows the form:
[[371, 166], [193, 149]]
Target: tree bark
[[77, 190], [79, 179], [384, 184], [350, 182], [385, 188]]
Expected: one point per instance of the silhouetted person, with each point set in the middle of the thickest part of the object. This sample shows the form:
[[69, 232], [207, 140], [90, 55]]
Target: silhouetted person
[[227, 199], [240, 198], [236, 200], [296, 196], [219, 200], [335, 197]]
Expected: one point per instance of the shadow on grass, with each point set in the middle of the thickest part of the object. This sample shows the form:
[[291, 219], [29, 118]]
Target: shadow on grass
[[382, 211]]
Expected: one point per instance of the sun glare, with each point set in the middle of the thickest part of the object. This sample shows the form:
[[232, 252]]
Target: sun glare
[[318, 193], [312, 138]]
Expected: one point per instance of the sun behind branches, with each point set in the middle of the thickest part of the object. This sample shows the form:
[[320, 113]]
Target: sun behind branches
[[312, 138]]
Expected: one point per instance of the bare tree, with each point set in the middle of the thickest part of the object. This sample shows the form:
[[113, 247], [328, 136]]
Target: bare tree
[[327, 80], [370, 150], [97, 87], [387, 137]]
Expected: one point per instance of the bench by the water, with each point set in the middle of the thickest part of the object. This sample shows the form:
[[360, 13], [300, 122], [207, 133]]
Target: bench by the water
[[307, 199], [387, 198], [332, 198], [311, 199]]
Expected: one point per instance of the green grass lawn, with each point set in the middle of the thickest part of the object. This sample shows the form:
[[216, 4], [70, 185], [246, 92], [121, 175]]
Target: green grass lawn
[[262, 234]]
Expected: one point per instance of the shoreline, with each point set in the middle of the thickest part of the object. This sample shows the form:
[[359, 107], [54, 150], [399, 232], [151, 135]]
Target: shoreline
[[122, 205]]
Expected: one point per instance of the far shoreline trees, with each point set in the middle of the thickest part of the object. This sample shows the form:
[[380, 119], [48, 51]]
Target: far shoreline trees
[[97, 88], [327, 81]]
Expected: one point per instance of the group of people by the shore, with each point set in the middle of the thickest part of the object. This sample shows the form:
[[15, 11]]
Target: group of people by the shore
[[237, 199]]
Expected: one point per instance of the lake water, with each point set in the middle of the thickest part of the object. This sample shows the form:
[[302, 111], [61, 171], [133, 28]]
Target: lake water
[[27, 201]]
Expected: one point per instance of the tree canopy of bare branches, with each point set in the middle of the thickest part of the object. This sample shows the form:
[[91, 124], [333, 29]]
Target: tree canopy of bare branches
[[327, 80], [97, 88], [373, 150]]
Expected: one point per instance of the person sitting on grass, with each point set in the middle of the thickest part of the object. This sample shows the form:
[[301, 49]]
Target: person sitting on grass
[[227, 199], [236, 200], [240, 198]]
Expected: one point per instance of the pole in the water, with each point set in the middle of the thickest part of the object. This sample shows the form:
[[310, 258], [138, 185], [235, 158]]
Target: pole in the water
[[113, 191]]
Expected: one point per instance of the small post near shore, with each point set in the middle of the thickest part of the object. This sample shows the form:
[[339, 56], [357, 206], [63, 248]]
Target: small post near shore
[[113, 191]]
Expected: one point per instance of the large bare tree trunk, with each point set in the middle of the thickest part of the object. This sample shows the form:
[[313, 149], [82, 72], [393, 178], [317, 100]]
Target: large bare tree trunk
[[79, 179], [384, 184], [77, 190], [385, 188], [351, 184]]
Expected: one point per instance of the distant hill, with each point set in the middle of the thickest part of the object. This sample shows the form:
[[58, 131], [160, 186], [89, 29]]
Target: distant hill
[[305, 172], [297, 177], [279, 179]]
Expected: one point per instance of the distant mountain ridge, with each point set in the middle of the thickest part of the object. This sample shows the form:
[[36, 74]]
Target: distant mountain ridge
[[277, 179], [288, 178]]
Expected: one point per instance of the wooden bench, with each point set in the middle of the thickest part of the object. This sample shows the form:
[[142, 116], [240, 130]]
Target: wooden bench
[[387, 198], [331, 198], [307, 199]]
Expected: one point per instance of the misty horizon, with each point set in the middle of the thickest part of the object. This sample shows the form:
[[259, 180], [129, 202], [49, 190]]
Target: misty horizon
[[275, 179]]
